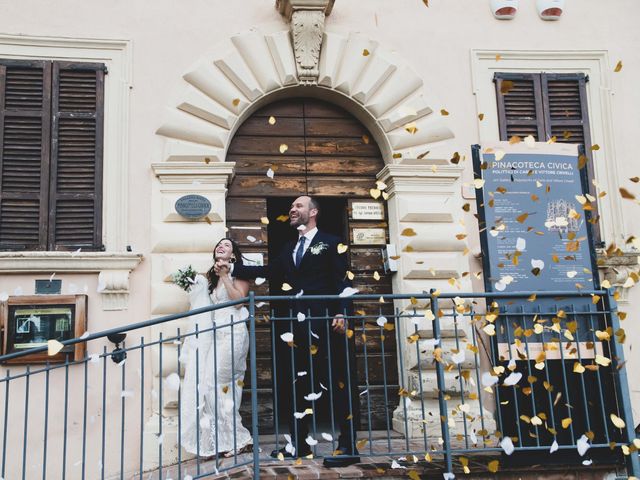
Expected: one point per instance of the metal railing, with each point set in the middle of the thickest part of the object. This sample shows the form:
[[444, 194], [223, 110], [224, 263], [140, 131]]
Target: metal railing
[[486, 377]]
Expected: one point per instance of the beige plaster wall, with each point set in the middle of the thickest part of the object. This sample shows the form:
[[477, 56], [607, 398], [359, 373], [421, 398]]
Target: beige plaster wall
[[169, 36]]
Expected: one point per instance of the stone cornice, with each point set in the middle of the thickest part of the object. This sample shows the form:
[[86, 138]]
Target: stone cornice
[[287, 7], [419, 175], [68, 262], [187, 172]]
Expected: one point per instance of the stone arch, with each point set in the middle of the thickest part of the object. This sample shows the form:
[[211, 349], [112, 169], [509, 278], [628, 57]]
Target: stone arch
[[355, 72]]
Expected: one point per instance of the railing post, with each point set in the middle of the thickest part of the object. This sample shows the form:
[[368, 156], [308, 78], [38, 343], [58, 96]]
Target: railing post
[[254, 385], [622, 386], [444, 418]]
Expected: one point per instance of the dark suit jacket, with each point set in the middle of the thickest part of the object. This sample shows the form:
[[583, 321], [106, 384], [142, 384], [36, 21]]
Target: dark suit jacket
[[322, 271]]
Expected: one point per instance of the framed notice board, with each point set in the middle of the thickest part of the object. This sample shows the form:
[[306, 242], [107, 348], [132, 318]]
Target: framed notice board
[[31, 321]]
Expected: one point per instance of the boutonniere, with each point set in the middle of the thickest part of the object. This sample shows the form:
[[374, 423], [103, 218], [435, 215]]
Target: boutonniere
[[318, 248]]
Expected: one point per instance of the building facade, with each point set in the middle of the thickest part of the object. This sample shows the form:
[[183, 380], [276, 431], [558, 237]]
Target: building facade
[[145, 103]]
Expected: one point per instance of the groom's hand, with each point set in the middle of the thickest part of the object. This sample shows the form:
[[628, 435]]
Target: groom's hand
[[338, 324]]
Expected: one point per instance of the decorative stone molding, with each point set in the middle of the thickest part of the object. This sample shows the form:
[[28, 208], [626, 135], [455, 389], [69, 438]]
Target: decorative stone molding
[[307, 27], [114, 269], [617, 269]]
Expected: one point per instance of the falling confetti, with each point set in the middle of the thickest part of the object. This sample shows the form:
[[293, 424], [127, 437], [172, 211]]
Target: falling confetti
[[54, 346], [365, 53], [286, 287], [342, 248], [287, 337], [272, 120], [173, 382], [236, 102], [443, 112], [408, 232], [264, 220], [375, 193], [270, 173], [284, 147], [618, 66]]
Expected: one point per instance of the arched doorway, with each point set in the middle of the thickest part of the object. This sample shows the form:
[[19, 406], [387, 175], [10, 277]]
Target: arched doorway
[[307, 146]]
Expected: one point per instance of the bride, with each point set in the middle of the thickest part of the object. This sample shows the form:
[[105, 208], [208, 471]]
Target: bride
[[215, 362]]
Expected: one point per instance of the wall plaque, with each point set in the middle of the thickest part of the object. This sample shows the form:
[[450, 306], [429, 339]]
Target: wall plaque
[[193, 206], [367, 211], [369, 236]]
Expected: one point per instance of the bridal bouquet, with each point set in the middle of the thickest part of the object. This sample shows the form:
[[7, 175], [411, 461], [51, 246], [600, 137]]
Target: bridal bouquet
[[184, 278]]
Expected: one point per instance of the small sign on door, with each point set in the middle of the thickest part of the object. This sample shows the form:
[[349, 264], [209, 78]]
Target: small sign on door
[[367, 211]]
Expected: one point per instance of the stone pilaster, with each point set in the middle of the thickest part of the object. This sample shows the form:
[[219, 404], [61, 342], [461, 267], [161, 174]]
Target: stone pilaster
[[425, 198]]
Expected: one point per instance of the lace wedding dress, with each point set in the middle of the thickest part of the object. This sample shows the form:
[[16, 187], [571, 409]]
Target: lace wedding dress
[[214, 367]]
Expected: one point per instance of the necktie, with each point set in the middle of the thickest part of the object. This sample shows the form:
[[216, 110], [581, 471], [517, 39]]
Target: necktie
[[300, 251]]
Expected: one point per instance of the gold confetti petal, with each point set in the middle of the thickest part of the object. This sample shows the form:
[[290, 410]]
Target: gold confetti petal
[[408, 232], [366, 53], [617, 421], [375, 193], [493, 466], [284, 147], [236, 102], [264, 220], [618, 66], [272, 120], [54, 346], [443, 112], [342, 248], [282, 218]]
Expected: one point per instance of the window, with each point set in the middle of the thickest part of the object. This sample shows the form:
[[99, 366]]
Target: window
[[51, 136], [546, 105]]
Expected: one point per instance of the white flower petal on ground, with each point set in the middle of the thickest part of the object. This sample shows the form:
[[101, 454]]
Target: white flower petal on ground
[[458, 358], [287, 337], [312, 396], [507, 445], [512, 379], [583, 445], [173, 382], [554, 447], [301, 317], [488, 379]]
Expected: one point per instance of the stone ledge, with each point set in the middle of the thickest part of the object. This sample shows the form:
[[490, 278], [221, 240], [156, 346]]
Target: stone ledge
[[67, 262]]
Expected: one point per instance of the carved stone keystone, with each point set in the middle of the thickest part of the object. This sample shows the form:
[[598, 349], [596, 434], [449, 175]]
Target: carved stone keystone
[[307, 26]]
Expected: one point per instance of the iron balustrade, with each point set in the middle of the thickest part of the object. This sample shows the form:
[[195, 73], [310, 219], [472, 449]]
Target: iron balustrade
[[564, 368]]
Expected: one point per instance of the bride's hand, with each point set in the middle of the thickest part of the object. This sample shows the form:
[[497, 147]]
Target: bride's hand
[[221, 267]]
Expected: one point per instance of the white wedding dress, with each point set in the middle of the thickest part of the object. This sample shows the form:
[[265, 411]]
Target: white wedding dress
[[207, 408]]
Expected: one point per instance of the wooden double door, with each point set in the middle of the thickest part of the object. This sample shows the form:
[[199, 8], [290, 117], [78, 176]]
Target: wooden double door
[[305, 146]]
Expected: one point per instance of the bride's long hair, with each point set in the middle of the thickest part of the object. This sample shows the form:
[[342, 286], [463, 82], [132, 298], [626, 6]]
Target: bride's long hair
[[211, 274]]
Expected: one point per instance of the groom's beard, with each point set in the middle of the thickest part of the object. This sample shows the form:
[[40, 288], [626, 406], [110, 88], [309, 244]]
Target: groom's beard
[[302, 219]]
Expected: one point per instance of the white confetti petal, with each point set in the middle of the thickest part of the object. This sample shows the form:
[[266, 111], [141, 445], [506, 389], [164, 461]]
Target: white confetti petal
[[314, 334], [300, 293], [270, 173], [586, 463], [507, 445], [259, 281], [173, 382], [260, 304], [287, 337], [512, 364], [302, 227], [521, 244], [499, 286], [554, 447], [302, 374], [311, 441], [322, 386], [76, 253], [429, 342], [364, 392], [458, 358], [571, 273], [4, 296], [348, 291], [448, 476], [85, 335], [473, 438], [381, 321], [488, 379], [327, 437], [251, 238], [301, 317], [507, 279], [537, 263], [529, 141], [299, 415], [52, 275], [313, 396], [395, 464], [512, 379], [583, 445]]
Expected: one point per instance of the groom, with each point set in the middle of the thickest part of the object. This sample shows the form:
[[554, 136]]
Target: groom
[[313, 265]]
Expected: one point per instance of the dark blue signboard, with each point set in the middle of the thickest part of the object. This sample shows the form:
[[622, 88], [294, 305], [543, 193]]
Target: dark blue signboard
[[193, 206], [535, 234]]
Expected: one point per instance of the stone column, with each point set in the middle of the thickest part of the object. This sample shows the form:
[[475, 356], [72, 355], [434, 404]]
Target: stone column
[[425, 198]]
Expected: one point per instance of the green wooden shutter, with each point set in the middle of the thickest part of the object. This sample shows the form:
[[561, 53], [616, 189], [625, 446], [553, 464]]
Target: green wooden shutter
[[75, 198], [520, 105], [25, 106]]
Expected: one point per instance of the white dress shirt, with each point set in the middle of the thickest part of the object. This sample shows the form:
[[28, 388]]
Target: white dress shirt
[[308, 239]]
